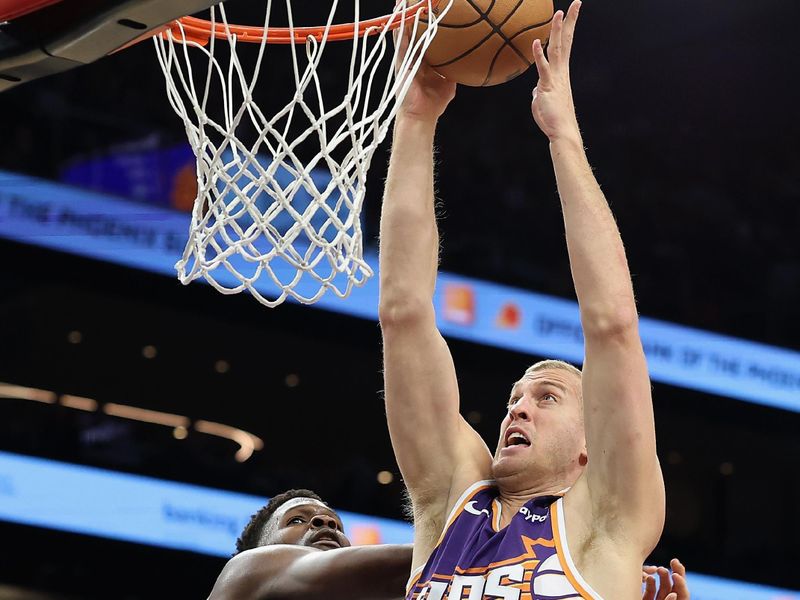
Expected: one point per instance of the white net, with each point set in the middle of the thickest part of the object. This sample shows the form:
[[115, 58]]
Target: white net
[[280, 194]]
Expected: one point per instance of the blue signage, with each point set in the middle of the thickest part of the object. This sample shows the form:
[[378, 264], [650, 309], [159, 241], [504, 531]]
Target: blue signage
[[140, 171], [152, 238], [67, 497], [132, 508]]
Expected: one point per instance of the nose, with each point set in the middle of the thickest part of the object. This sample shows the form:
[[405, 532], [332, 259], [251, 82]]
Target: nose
[[321, 521], [520, 411]]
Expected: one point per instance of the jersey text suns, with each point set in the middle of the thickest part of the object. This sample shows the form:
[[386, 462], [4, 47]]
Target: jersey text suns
[[476, 560]]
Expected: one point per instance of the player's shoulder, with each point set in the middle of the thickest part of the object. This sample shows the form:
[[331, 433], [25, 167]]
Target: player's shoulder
[[484, 489], [248, 573], [476, 496], [592, 525], [579, 506]]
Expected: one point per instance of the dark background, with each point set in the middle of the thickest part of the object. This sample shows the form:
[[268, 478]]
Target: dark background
[[688, 112]]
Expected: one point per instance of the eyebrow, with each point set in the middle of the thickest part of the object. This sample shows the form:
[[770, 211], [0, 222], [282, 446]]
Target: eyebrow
[[554, 384], [549, 382]]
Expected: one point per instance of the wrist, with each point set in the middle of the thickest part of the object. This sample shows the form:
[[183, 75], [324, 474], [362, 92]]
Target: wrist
[[564, 128], [568, 141], [415, 123]]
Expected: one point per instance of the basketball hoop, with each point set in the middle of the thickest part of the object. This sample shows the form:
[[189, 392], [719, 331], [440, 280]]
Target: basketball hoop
[[286, 201]]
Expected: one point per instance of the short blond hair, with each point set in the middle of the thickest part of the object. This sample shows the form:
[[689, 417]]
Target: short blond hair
[[550, 363], [544, 365]]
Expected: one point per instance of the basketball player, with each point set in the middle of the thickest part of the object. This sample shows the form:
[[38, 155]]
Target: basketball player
[[572, 500], [279, 555]]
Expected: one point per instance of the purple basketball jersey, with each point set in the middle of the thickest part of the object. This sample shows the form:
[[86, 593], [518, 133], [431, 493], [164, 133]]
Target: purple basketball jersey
[[476, 560]]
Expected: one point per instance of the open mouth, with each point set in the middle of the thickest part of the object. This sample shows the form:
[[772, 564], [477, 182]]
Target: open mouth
[[516, 438]]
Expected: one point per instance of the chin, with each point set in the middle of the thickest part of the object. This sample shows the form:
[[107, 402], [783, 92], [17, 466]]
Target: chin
[[503, 468]]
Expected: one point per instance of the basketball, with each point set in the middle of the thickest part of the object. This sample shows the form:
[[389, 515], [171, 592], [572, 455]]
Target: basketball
[[487, 42]]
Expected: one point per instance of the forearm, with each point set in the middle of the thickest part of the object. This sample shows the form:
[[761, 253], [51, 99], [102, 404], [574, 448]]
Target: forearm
[[409, 238], [356, 573], [597, 256]]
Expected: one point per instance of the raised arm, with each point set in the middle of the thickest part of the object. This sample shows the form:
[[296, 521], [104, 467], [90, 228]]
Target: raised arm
[[283, 572], [623, 475], [436, 450]]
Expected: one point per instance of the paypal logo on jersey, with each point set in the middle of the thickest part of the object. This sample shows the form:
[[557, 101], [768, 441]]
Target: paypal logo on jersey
[[470, 508], [532, 517], [525, 511]]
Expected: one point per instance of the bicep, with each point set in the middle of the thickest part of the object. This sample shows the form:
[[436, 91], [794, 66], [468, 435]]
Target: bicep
[[354, 573], [249, 575], [432, 442], [623, 470], [287, 572]]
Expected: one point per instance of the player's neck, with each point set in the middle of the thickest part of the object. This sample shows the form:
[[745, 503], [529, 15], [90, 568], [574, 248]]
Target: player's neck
[[515, 494]]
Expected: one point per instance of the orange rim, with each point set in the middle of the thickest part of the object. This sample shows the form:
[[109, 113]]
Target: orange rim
[[192, 29], [12, 9]]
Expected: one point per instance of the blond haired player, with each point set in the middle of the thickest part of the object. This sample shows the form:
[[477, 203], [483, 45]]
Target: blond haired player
[[295, 548], [572, 500]]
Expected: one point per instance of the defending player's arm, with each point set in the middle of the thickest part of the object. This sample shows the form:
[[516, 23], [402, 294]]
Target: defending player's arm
[[284, 572], [422, 403], [623, 480]]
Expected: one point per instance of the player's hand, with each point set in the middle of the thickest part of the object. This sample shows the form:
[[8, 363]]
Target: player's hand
[[429, 93], [673, 588], [552, 105]]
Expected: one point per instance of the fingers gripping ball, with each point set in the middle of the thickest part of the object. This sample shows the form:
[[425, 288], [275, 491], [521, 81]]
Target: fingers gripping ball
[[486, 42]]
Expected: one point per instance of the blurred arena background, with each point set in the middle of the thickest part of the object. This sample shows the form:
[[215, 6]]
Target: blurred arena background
[[689, 112]]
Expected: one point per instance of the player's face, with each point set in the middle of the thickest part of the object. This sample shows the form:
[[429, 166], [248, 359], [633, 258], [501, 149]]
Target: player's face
[[542, 434], [306, 522]]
